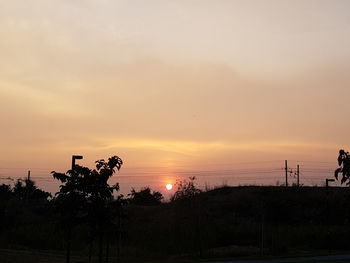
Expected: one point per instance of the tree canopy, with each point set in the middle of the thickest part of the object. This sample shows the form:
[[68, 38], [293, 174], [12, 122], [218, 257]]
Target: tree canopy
[[86, 196], [185, 189], [145, 197], [344, 169]]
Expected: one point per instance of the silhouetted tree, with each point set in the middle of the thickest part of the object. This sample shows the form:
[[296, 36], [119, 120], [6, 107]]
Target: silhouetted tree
[[5, 195], [85, 195], [5, 192], [344, 169], [119, 207], [145, 197], [27, 190], [70, 201], [100, 197], [185, 189]]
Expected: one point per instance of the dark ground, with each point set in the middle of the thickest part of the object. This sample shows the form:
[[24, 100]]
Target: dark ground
[[228, 222]]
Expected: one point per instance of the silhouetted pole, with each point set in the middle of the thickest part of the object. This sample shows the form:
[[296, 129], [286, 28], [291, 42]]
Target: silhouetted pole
[[327, 183], [27, 183], [286, 170], [298, 173], [69, 232], [75, 157]]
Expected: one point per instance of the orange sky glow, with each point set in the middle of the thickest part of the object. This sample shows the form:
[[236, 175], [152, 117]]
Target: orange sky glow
[[175, 88]]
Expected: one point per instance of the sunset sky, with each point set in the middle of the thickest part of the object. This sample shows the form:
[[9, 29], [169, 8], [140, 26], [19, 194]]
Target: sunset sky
[[194, 85]]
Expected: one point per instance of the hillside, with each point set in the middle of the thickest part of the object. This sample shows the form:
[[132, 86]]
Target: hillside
[[244, 221]]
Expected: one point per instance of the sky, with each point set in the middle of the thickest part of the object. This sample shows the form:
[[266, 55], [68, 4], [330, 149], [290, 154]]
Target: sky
[[173, 87]]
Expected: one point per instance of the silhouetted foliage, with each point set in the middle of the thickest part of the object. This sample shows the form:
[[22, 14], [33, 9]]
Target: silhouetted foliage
[[29, 191], [344, 169], [5, 195], [185, 189], [145, 197], [5, 192], [223, 222], [86, 196], [21, 206]]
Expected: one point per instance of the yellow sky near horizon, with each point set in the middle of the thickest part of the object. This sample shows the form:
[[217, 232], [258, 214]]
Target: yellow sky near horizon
[[169, 83]]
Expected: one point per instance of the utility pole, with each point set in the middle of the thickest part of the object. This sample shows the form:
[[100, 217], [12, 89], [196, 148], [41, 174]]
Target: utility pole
[[298, 173], [286, 170], [327, 183], [69, 230], [27, 185]]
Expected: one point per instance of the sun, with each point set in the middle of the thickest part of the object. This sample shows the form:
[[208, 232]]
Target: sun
[[169, 187]]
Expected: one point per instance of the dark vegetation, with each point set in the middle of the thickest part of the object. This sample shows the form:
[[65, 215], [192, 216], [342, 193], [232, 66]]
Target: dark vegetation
[[145, 197], [344, 167], [86, 222]]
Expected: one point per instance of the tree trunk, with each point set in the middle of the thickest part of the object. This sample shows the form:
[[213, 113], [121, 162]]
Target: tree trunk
[[90, 249], [119, 234], [69, 240], [107, 249], [92, 241], [100, 253]]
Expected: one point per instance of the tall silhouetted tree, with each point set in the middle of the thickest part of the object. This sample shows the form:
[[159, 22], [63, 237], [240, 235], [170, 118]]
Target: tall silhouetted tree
[[71, 201], [85, 195], [187, 190], [100, 197]]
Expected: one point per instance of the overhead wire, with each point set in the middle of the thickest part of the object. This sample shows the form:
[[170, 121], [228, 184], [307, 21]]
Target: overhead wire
[[311, 170]]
